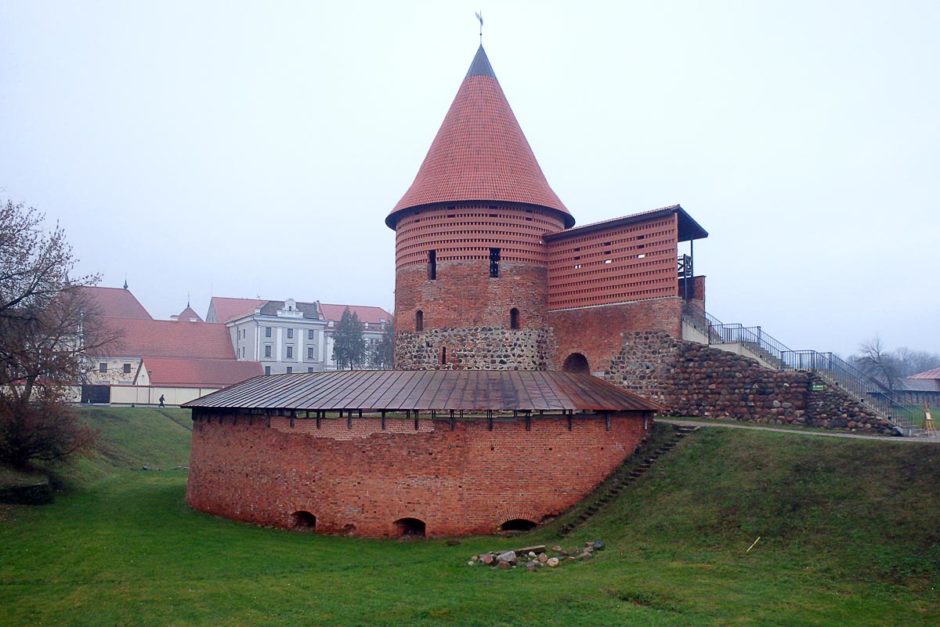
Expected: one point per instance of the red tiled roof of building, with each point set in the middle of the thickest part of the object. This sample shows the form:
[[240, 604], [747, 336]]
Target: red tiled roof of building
[[116, 302], [365, 313], [181, 372], [927, 374], [480, 153], [189, 315], [167, 338], [223, 309]]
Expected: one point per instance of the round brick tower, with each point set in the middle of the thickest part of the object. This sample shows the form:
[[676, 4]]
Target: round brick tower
[[470, 263]]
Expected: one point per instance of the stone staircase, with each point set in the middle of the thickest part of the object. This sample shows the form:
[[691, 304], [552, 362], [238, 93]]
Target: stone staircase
[[632, 469]]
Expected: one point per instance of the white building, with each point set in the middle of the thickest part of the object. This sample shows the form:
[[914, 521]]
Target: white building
[[289, 336]]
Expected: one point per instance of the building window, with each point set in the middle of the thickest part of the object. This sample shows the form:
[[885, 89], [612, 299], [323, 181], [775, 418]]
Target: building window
[[267, 371], [432, 264], [290, 352], [419, 320], [267, 331], [310, 333], [267, 350], [494, 262], [290, 370], [513, 318], [290, 334], [127, 368], [103, 367], [309, 352], [310, 369]]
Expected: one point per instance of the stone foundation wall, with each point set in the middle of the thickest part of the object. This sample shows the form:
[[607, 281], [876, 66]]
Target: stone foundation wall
[[359, 478], [694, 380], [479, 348]]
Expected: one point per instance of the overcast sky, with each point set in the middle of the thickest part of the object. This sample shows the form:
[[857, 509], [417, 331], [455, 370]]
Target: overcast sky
[[254, 149]]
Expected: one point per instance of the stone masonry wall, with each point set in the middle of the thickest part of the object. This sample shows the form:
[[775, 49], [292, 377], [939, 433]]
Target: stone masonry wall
[[478, 348], [691, 379], [360, 479]]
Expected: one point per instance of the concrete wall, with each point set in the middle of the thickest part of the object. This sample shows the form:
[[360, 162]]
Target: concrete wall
[[150, 395]]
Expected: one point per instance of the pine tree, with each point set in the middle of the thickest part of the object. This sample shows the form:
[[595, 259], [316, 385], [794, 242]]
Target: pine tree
[[349, 347]]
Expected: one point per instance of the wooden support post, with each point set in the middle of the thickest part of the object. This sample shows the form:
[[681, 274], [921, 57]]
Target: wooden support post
[[292, 420], [607, 420], [318, 419], [416, 420], [528, 421], [382, 414], [452, 423], [489, 419], [348, 419], [569, 419]]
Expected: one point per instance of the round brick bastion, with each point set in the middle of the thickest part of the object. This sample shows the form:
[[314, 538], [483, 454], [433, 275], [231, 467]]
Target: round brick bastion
[[395, 453]]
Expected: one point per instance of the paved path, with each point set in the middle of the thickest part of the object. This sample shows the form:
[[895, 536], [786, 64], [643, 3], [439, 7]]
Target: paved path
[[823, 434]]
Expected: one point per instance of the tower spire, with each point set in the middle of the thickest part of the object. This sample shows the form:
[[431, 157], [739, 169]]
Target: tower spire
[[479, 15]]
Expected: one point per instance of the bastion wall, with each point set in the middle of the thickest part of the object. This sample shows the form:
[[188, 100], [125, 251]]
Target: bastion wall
[[361, 476]]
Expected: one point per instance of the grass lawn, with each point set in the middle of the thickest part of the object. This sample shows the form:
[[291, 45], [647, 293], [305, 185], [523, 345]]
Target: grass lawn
[[849, 534]]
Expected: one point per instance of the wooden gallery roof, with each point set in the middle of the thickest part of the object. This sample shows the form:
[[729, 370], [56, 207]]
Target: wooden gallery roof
[[427, 390]]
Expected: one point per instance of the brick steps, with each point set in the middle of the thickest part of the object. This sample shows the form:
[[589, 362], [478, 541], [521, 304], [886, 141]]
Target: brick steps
[[623, 477]]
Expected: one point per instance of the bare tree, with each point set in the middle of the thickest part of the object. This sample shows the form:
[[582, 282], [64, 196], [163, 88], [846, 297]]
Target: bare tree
[[878, 363], [47, 322], [912, 362], [383, 351]]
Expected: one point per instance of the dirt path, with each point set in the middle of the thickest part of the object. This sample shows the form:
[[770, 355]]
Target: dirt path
[[823, 434]]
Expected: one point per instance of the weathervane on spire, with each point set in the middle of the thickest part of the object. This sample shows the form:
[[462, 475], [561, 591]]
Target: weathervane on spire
[[479, 15]]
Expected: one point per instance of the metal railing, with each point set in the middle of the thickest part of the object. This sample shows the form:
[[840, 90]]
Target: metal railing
[[831, 368]]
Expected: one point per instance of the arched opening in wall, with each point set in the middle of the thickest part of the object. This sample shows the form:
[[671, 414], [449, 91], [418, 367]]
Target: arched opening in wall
[[517, 524], [513, 318], [443, 355], [410, 527], [303, 521], [419, 320], [349, 529], [577, 363]]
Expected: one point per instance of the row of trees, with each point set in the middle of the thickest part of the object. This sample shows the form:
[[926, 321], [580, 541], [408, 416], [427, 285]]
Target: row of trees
[[46, 325], [350, 349], [888, 367]]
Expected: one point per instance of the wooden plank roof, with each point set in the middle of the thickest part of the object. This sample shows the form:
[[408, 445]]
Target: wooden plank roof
[[427, 390]]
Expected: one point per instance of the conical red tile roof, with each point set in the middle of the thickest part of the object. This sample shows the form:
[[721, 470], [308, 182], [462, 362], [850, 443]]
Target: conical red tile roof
[[480, 153]]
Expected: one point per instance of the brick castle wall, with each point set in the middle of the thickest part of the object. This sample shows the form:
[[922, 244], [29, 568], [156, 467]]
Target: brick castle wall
[[598, 332], [361, 480], [691, 379], [464, 295], [478, 348]]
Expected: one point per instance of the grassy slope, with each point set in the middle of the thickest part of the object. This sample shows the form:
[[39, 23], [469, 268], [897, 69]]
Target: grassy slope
[[847, 536]]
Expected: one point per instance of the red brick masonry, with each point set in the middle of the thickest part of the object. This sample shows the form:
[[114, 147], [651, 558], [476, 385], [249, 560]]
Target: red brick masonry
[[463, 481]]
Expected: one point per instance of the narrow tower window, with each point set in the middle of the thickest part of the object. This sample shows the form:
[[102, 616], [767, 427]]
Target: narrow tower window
[[443, 355], [513, 318], [432, 264], [494, 262], [419, 320]]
